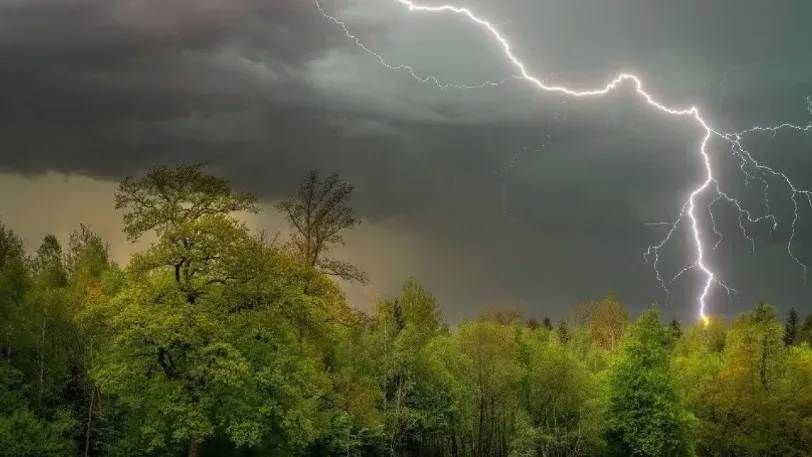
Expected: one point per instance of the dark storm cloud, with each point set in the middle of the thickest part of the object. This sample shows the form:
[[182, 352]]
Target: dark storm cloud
[[86, 79], [518, 197], [103, 32], [92, 63]]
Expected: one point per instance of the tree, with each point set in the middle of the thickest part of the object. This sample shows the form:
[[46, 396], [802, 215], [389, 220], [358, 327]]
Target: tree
[[319, 214], [48, 262], [696, 362], [491, 352], [606, 319], [740, 403], [88, 255], [216, 341], [198, 339], [563, 332], [791, 328], [503, 316], [805, 332], [582, 314], [675, 329], [420, 309], [35, 344], [646, 415], [49, 311], [190, 212], [414, 407], [87, 264], [11, 246], [14, 279], [794, 400], [22, 433], [769, 352], [546, 323], [609, 321], [556, 393]]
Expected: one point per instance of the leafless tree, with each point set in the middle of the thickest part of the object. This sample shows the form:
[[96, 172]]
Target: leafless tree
[[319, 214]]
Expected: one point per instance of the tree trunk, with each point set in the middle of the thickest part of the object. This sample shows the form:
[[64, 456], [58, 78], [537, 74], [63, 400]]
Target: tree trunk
[[194, 447], [41, 366], [763, 368], [89, 422], [481, 430]]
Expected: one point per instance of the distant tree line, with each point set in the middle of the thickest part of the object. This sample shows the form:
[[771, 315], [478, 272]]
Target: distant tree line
[[217, 341]]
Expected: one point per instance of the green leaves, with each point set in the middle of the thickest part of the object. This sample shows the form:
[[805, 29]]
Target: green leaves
[[169, 197], [194, 370], [646, 416], [214, 340], [206, 336], [23, 434]]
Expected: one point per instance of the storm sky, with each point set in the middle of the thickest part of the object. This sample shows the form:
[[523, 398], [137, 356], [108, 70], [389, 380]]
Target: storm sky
[[502, 196]]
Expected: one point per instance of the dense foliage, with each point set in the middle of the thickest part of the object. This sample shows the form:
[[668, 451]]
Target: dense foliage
[[215, 341]]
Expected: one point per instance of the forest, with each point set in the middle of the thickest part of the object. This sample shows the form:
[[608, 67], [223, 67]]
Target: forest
[[216, 340]]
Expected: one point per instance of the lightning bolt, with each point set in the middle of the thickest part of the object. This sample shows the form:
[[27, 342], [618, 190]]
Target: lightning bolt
[[752, 169]]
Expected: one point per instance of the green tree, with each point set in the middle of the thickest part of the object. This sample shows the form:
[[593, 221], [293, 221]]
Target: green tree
[[609, 321], [646, 416], [449, 385], [805, 331], [198, 340], [87, 265], [214, 341], [793, 396], [696, 365], [741, 402], [420, 309], [319, 215], [35, 365], [563, 332], [503, 316], [14, 282], [558, 395], [675, 329], [22, 432], [493, 367], [88, 256], [791, 328], [50, 314], [414, 406], [11, 246], [191, 213], [581, 315], [606, 319]]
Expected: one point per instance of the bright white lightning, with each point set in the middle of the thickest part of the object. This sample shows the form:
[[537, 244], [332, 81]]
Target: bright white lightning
[[709, 181]]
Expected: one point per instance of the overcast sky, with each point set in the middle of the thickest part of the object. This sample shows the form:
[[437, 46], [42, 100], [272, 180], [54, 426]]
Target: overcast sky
[[499, 196]]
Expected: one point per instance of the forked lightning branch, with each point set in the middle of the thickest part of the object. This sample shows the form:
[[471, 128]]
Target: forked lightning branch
[[707, 186]]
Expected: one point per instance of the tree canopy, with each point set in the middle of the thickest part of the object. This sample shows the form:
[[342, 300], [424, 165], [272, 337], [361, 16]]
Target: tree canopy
[[215, 341]]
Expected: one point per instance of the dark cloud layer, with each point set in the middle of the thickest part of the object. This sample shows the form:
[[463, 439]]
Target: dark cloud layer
[[516, 197]]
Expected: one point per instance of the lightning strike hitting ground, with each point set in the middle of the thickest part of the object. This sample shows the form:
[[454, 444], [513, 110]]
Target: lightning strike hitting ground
[[751, 168]]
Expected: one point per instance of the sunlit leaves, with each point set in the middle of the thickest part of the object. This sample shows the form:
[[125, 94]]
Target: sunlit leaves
[[169, 197]]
